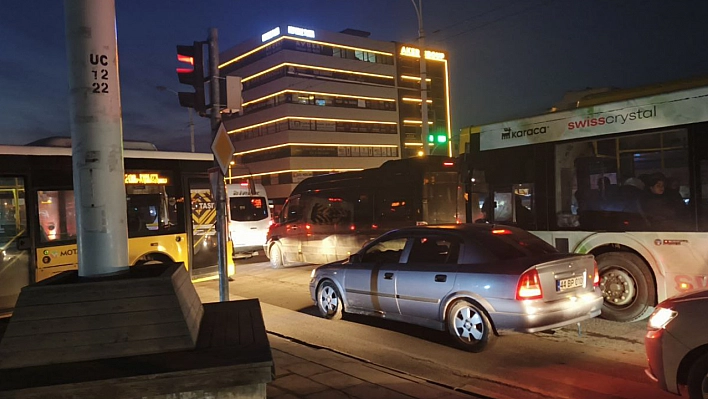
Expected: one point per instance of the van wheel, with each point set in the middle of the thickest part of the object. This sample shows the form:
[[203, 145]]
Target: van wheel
[[627, 287], [276, 256]]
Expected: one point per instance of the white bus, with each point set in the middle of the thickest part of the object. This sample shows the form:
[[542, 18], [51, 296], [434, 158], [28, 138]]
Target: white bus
[[249, 217], [623, 178]]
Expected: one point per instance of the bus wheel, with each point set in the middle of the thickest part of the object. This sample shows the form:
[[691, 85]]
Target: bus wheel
[[627, 287], [276, 256]]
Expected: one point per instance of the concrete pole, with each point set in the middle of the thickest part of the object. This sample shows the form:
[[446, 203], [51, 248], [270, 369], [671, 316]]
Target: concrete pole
[[423, 78], [218, 180], [97, 137]]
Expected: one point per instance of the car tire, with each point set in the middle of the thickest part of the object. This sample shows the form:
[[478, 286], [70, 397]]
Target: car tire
[[627, 287], [329, 301], [275, 254], [469, 326], [697, 381]]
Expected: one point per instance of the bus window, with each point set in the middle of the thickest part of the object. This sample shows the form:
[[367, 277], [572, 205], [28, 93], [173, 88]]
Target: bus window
[[57, 215], [14, 263], [152, 205], [638, 182]]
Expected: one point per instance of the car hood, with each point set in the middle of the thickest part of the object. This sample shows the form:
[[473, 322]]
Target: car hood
[[333, 265], [688, 296]]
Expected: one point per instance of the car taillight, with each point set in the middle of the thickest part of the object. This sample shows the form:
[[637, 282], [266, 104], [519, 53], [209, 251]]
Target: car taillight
[[596, 279], [501, 231], [529, 286]]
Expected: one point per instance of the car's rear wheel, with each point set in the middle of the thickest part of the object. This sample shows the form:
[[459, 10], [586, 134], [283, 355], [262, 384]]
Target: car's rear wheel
[[329, 301], [275, 254], [627, 287], [469, 326], [697, 381]]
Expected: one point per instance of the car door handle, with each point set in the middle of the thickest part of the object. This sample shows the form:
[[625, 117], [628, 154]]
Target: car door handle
[[388, 276], [440, 278]]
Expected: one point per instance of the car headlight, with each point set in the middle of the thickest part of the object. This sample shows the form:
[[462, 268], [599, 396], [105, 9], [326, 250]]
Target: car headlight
[[661, 317]]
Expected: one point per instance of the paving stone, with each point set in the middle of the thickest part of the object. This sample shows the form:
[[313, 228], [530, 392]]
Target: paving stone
[[299, 384], [307, 369], [336, 379], [373, 391], [329, 394]]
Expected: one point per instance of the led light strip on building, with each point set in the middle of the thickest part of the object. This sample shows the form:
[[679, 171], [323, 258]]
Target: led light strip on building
[[285, 64], [314, 145], [241, 129], [300, 39], [319, 94], [293, 170]]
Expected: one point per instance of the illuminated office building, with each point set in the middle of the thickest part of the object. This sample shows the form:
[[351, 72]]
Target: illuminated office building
[[320, 102]]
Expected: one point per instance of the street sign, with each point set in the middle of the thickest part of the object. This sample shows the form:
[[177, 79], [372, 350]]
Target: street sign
[[223, 149]]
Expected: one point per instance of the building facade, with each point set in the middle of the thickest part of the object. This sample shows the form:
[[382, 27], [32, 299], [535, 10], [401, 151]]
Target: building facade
[[316, 102]]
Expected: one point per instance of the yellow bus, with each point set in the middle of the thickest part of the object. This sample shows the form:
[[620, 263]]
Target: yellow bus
[[171, 213]]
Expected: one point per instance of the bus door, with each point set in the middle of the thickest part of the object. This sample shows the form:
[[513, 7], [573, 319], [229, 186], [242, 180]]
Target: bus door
[[14, 262], [205, 250]]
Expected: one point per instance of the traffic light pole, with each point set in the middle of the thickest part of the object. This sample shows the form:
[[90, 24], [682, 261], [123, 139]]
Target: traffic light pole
[[218, 186]]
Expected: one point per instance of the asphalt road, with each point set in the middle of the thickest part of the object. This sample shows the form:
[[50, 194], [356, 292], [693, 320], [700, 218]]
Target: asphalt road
[[602, 360]]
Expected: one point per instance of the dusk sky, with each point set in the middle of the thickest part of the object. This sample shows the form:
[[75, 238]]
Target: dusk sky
[[508, 58]]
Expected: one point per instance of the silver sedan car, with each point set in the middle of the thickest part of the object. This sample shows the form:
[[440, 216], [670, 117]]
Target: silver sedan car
[[469, 279]]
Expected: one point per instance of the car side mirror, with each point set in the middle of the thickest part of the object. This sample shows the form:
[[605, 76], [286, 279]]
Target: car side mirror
[[355, 258]]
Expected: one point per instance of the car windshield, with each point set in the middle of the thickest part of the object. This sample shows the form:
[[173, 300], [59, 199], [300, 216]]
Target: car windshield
[[248, 209], [507, 244]]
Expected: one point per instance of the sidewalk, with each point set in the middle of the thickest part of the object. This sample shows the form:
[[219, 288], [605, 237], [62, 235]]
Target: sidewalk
[[305, 371]]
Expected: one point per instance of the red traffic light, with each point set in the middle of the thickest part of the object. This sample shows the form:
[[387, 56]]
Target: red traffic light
[[193, 75]]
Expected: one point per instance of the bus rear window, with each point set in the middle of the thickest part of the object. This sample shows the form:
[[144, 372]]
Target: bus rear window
[[248, 209]]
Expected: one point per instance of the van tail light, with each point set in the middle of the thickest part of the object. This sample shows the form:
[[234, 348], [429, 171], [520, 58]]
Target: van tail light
[[596, 279], [529, 286]]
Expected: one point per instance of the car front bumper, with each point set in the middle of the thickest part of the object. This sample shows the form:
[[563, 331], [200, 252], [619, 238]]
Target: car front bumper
[[664, 356]]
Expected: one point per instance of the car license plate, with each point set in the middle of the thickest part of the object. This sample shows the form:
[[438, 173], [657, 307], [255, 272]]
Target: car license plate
[[570, 283]]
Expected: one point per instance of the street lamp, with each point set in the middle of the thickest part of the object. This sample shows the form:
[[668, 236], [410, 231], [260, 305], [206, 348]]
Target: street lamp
[[423, 76], [191, 119]]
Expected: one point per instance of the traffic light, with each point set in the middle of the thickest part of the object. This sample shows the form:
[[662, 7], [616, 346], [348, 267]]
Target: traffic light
[[193, 75], [437, 138]]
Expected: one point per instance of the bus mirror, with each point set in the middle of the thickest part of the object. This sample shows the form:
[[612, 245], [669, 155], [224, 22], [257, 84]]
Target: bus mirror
[[23, 243]]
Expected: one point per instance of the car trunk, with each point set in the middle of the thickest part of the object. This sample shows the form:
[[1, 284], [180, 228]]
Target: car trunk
[[567, 275]]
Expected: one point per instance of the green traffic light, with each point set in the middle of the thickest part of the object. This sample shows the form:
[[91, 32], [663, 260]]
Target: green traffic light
[[442, 138]]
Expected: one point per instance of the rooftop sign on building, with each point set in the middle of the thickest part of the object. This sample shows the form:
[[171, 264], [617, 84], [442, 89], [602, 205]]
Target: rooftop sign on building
[[429, 54]]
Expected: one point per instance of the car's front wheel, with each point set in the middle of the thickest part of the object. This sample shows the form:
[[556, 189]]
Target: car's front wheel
[[329, 301], [469, 326], [697, 381]]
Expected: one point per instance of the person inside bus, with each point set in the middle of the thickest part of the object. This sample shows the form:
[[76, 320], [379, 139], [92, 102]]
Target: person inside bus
[[660, 210]]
